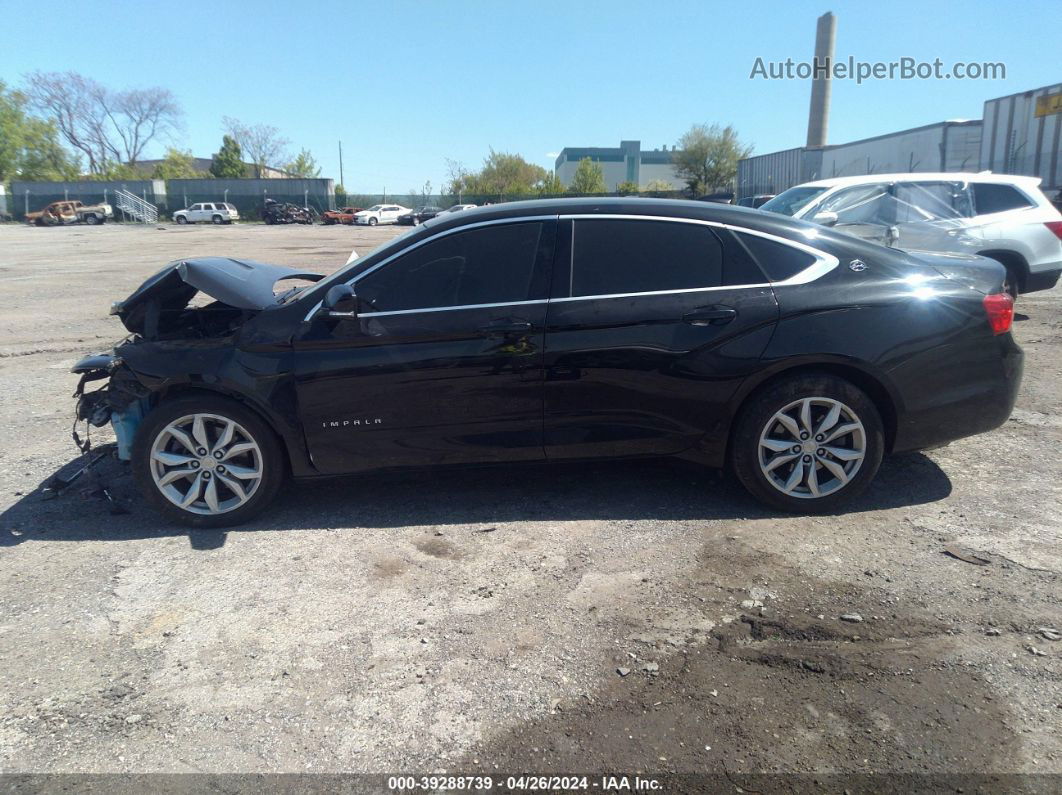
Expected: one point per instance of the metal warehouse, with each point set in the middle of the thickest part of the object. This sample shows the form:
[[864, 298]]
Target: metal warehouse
[[1021, 135], [944, 146]]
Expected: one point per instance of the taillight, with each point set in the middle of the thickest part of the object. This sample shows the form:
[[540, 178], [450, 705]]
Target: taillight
[[1000, 310], [1056, 227]]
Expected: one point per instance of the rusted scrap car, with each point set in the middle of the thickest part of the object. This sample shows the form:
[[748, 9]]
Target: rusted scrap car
[[344, 215], [71, 212]]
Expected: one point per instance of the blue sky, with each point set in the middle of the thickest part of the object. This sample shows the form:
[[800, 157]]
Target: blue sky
[[407, 85]]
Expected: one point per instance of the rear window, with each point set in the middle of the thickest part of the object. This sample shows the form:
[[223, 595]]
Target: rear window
[[620, 256], [778, 260], [993, 198]]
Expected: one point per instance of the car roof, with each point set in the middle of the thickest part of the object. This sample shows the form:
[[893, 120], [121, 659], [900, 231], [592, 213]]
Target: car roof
[[924, 176], [668, 208]]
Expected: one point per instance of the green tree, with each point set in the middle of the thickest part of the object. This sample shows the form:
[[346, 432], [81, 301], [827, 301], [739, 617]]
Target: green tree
[[29, 146], [550, 185], [659, 186], [588, 178], [303, 165], [228, 162], [176, 164], [707, 157], [627, 188], [503, 174]]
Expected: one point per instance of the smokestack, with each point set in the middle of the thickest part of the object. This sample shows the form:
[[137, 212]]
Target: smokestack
[[819, 116]]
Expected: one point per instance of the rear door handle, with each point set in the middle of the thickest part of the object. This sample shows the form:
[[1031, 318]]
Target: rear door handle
[[501, 328], [710, 315]]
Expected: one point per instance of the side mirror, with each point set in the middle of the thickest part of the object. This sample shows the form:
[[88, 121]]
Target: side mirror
[[340, 303], [826, 218]]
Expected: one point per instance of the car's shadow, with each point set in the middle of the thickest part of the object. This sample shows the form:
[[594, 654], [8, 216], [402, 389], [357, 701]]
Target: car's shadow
[[633, 490]]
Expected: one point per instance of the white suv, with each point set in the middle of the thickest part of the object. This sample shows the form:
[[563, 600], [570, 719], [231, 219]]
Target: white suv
[[380, 214], [214, 212], [1004, 217]]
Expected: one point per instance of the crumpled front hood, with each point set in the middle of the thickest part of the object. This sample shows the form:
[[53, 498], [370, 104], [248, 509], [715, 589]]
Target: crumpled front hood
[[241, 284]]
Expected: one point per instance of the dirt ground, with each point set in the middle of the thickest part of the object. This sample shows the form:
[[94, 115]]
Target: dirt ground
[[644, 616]]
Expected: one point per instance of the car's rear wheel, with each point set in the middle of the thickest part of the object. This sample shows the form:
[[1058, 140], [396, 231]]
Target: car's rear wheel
[[207, 461], [808, 443], [217, 219], [181, 219]]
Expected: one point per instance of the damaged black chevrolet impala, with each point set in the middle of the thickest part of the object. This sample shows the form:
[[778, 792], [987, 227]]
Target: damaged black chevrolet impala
[[556, 331]]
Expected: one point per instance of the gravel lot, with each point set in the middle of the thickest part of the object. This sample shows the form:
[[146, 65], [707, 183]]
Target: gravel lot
[[476, 621]]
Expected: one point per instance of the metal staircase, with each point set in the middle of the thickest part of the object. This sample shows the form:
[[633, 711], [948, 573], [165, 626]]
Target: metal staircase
[[132, 206]]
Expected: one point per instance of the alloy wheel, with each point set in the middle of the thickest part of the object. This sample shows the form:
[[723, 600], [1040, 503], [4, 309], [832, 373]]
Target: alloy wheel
[[206, 464], [812, 447]]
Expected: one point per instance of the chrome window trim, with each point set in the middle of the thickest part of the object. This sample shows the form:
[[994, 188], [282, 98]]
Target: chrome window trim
[[824, 263], [370, 315]]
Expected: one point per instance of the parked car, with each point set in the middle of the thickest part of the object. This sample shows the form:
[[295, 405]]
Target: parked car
[[275, 212], [71, 212], [458, 208], [1004, 217], [380, 214], [212, 212], [720, 197], [557, 330], [755, 201], [344, 215], [419, 215]]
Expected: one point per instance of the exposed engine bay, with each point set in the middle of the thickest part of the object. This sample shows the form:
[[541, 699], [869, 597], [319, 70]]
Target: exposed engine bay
[[161, 313]]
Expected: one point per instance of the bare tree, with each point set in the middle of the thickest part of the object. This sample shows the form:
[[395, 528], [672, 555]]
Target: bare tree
[[106, 126], [262, 143]]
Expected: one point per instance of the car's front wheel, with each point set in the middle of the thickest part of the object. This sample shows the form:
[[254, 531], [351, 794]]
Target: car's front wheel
[[92, 220], [207, 461], [808, 443], [372, 222], [181, 219]]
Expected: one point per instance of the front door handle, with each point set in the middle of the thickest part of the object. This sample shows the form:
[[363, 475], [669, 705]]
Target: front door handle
[[503, 328], [710, 315]]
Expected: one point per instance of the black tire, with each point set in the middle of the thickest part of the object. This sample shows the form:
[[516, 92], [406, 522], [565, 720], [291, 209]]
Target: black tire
[[217, 219], [372, 222], [272, 460], [759, 410], [92, 220], [182, 219]]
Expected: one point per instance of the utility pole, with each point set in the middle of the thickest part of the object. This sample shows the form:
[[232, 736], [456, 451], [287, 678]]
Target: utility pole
[[341, 165]]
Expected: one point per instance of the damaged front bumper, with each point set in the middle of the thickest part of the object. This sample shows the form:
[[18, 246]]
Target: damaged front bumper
[[122, 401]]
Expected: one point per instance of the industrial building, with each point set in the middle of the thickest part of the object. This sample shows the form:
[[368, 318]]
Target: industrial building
[[1021, 135], [625, 163], [1018, 134]]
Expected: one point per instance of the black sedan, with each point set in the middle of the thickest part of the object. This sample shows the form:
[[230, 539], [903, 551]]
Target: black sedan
[[419, 215], [557, 331]]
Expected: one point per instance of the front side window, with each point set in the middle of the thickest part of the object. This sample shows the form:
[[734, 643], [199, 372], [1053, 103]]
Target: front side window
[[992, 197], [490, 265], [864, 204]]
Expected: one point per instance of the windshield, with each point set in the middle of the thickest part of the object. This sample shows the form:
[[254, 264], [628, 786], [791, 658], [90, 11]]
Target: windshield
[[394, 242], [375, 207], [792, 201]]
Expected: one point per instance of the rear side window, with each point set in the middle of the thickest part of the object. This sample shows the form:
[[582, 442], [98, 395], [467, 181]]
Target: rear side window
[[491, 265], [623, 256], [778, 260], [993, 198]]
